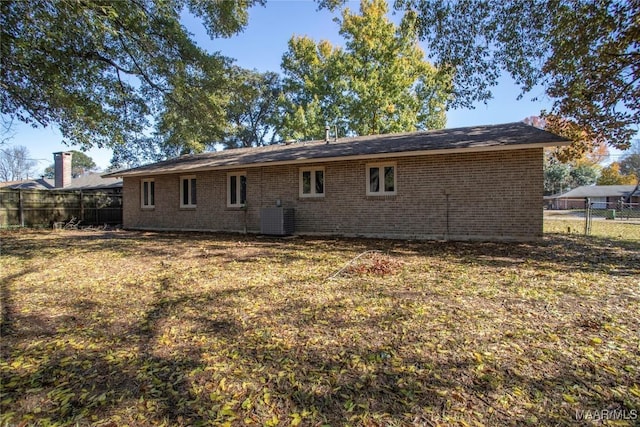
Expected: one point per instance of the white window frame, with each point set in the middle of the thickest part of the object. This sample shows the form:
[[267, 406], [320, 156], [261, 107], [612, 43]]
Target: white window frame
[[312, 171], [381, 167], [190, 203], [238, 194], [151, 194]]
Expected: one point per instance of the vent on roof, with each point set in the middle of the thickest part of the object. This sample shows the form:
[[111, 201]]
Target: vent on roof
[[277, 221]]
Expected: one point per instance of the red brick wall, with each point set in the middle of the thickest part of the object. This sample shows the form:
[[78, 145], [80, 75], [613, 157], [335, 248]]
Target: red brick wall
[[485, 196]]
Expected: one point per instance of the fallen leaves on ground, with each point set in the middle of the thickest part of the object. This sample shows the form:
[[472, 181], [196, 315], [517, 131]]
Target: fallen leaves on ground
[[131, 328]]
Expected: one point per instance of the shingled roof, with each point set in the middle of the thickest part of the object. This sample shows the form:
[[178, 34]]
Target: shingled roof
[[90, 181], [598, 191], [467, 139]]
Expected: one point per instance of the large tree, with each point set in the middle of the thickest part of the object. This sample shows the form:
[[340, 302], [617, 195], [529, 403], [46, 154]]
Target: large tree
[[563, 167], [560, 177], [105, 72], [313, 89], [630, 162], [611, 175], [379, 83], [585, 55], [253, 112], [556, 176], [630, 166], [16, 164], [144, 150]]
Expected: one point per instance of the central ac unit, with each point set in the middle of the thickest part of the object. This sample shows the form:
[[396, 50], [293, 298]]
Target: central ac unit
[[277, 221]]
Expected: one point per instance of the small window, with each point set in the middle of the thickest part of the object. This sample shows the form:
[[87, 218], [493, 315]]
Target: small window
[[147, 193], [312, 182], [236, 189], [188, 197], [381, 179]]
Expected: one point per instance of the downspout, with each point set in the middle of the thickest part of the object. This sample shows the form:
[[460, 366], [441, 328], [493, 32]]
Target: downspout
[[446, 234]]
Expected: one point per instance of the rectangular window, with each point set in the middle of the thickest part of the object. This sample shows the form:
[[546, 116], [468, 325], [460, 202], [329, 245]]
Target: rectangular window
[[306, 182], [381, 179], [312, 182], [236, 189], [389, 179], [188, 192], [374, 180], [148, 193], [319, 175]]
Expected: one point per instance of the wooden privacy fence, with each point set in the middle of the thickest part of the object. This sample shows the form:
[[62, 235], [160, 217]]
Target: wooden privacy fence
[[44, 208]]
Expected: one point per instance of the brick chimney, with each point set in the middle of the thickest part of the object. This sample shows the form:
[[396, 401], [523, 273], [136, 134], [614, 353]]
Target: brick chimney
[[62, 165]]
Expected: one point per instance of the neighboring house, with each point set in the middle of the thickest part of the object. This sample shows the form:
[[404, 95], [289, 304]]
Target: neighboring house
[[88, 182], [473, 183], [601, 197], [64, 180], [29, 184]]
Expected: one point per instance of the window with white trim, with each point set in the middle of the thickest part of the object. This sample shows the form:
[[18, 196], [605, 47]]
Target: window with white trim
[[312, 182], [381, 179], [147, 193], [236, 189], [188, 191]]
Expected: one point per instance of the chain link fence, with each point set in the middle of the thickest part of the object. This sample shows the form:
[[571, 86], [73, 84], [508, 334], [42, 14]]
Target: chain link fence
[[586, 216]]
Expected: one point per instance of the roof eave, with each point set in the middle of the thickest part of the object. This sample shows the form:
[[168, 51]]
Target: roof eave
[[490, 148]]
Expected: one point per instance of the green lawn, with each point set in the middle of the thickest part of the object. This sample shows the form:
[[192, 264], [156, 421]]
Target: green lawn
[[125, 328], [614, 229]]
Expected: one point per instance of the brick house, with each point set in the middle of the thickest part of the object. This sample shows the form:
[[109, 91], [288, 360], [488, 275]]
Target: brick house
[[473, 183], [600, 197]]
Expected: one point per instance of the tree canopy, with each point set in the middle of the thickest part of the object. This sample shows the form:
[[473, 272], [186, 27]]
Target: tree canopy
[[129, 72], [379, 82], [109, 73], [630, 162], [252, 113], [585, 54], [142, 151], [560, 177], [611, 175], [251, 119]]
